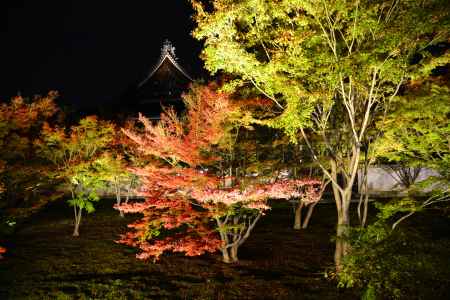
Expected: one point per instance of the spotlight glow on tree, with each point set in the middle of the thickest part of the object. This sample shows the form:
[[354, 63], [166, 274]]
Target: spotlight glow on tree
[[188, 208]]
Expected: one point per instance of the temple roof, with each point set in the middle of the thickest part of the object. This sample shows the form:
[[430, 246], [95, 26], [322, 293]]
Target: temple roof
[[164, 84], [167, 54]]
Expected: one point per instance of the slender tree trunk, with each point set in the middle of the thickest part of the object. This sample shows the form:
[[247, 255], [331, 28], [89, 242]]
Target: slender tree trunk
[[225, 256], [342, 197], [363, 198], [364, 192], [298, 215], [342, 244], [230, 254], [365, 210], [234, 253], [129, 187], [77, 212], [308, 215], [233, 239], [118, 197]]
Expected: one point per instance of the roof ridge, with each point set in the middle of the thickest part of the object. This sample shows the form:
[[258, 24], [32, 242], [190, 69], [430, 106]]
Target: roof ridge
[[167, 51]]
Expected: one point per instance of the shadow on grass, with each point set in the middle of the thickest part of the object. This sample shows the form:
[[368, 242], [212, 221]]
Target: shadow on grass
[[45, 262]]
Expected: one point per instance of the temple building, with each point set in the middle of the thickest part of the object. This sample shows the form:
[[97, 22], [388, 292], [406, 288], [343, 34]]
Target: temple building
[[163, 86]]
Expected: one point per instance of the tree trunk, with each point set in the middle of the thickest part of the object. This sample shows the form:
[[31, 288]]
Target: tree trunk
[[230, 254], [225, 256], [130, 184], [364, 193], [342, 244], [366, 207], [77, 221], [119, 198], [308, 215], [234, 253], [342, 197], [298, 216]]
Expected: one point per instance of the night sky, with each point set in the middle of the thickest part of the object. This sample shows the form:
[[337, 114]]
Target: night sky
[[90, 51]]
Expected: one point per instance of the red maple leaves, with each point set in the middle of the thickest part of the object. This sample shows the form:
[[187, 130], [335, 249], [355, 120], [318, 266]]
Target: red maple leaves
[[188, 208]]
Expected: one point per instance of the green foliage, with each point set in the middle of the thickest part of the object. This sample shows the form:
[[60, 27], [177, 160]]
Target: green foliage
[[417, 131], [79, 159], [333, 68], [395, 264], [87, 180], [395, 206], [22, 174], [417, 134], [303, 54]]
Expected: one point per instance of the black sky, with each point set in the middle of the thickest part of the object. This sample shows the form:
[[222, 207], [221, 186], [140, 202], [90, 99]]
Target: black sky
[[90, 51]]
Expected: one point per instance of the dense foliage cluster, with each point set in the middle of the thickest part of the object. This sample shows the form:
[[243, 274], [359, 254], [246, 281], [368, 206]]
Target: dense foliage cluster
[[308, 89], [331, 68], [22, 173], [183, 187]]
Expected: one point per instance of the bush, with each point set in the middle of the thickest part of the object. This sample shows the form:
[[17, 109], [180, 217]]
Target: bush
[[396, 264]]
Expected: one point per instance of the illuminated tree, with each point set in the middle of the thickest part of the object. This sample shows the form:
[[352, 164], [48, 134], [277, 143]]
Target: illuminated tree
[[178, 150], [78, 158], [331, 67], [115, 173], [312, 191], [236, 210], [184, 187], [22, 175], [416, 135]]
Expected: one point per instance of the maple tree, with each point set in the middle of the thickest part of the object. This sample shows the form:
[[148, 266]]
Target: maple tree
[[236, 210], [78, 156], [416, 135], [121, 156], [115, 172], [22, 174], [184, 185], [266, 153], [330, 67], [312, 191], [177, 152]]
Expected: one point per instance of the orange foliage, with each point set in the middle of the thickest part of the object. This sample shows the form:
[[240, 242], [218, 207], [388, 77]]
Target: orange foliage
[[182, 192]]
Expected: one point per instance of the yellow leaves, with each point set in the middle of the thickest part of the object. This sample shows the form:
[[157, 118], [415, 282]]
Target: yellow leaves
[[199, 10]]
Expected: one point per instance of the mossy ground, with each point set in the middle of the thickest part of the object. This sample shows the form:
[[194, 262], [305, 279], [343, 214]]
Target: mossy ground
[[44, 261]]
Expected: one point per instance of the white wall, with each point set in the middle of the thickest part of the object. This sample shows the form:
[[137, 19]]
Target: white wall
[[381, 179]]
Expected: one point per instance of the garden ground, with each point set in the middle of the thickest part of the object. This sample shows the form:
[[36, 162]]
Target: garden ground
[[44, 261]]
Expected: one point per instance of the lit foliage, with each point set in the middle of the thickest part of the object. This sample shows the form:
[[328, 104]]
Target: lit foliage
[[329, 66], [237, 210], [21, 173], [184, 194], [417, 134], [396, 264], [298, 53], [114, 171], [2, 251], [78, 156], [177, 149], [417, 131], [385, 260]]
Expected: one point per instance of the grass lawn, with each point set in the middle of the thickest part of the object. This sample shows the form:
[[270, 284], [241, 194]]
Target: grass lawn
[[44, 261]]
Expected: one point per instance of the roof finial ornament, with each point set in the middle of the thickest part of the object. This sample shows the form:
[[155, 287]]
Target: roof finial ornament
[[167, 52], [168, 49]]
